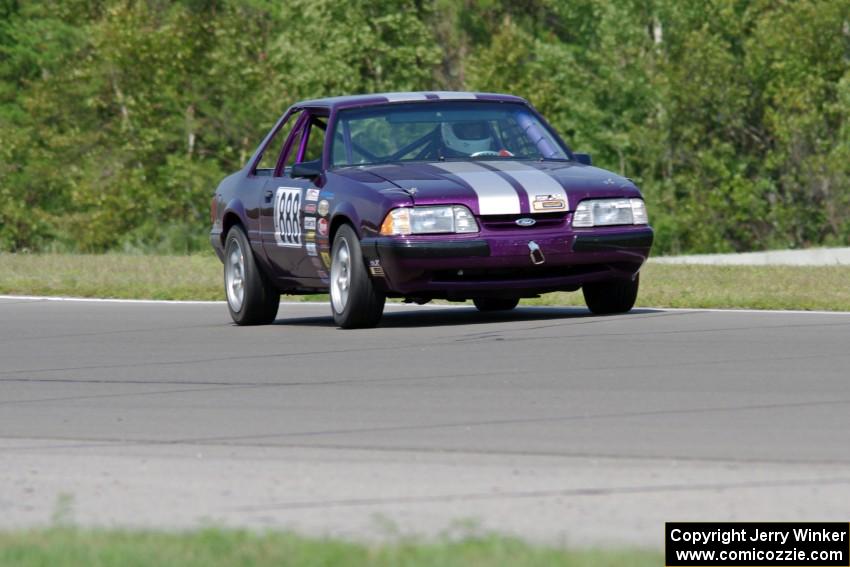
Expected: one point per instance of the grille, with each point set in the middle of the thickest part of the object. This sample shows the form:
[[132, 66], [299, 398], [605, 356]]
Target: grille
[[508, 222]]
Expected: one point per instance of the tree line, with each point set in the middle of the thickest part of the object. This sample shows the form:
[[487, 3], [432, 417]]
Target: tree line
[[119, 117]]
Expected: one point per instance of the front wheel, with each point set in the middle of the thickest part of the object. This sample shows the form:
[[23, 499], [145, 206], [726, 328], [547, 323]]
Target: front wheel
[[251, 297], [486, 304], [355, 302], [606, 298]]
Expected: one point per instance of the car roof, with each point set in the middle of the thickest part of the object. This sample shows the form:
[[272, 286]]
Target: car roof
[[337, 102]]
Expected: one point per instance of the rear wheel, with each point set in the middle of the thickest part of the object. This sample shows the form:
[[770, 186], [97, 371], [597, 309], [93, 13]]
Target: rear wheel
[[354, 300], [251, 298], [605, 298], [495, 303]]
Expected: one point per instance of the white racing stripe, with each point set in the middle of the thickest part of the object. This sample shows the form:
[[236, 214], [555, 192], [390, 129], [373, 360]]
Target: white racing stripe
[[495, 195], [534, 181], [452, 95], [403, 97]]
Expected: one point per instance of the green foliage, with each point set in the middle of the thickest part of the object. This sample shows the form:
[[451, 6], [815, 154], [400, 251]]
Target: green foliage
[[119, 117], [65, 546]]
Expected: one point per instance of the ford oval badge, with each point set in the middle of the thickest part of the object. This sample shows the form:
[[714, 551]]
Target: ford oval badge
[[526, 222]]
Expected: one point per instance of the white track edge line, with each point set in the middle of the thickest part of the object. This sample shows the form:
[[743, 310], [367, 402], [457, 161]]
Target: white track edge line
[[35, 298], [440, 306]]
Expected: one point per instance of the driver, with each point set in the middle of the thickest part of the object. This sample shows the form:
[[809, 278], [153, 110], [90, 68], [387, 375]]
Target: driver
[[466, 138]]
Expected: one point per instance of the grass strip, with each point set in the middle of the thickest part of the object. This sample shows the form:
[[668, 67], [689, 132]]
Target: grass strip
[[67, 547], [200, 277]]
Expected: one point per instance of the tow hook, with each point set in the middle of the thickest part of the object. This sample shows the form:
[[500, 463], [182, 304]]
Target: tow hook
[[535, 253]]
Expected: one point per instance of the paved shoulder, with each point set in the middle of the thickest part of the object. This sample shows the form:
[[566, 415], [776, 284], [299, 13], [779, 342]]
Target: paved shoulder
[[809, 257], [615, 415]]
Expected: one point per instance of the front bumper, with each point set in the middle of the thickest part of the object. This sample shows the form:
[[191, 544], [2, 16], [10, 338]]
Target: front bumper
[[421, 250], [502, 264]]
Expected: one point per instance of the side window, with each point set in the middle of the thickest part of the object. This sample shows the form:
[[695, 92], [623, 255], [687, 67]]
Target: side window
[[294, 148], [271, 153], [316, 139], [309, 148], [268, 159]]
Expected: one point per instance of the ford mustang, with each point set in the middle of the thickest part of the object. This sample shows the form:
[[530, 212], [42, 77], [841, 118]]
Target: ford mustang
[[433, 195]]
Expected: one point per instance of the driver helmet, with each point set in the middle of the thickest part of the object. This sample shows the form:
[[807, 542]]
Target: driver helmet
[[467, 137]]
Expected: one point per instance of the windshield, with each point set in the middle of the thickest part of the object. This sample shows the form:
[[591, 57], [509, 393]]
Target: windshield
[[437, 131]]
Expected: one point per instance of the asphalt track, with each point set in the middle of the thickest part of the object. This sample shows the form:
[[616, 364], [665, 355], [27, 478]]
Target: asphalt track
[[547, 423]]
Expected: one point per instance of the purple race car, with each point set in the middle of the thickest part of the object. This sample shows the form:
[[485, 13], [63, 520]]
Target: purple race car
[[447, 195]]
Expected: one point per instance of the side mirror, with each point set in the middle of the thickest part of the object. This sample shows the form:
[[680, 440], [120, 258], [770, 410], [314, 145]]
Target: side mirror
[[308, 169], [583, 159]]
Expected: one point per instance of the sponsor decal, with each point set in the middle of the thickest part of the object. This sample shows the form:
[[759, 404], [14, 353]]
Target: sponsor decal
[[310, 236], [375, 268], [310, 209], [322, 227], [309, 223], [312, 195], [323, 208], [495, 195], [311, 249], [326, 259], [287, 210], [535, 182], [549, 203], [327, 195]]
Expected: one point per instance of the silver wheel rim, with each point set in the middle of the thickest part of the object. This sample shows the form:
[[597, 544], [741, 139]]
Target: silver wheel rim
[[340, 276], [234, 276]]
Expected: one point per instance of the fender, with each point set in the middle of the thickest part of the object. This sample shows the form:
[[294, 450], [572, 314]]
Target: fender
[[234, 207], [345, 209]]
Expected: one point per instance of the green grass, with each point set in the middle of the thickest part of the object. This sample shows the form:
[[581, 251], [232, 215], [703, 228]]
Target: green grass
[[112, 275], [200, 277], [66, 547], [739, 287]]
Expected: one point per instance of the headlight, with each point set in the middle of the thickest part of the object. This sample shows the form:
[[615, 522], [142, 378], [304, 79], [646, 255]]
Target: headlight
[[610, 212], [639, 215], [429, 220]]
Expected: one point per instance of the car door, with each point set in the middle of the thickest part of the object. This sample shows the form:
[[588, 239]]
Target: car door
[[250, 189], [288, 243]]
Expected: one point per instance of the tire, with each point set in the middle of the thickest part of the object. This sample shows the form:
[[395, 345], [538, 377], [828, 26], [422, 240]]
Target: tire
[[489, 304], [251, 298], [355, 303], [606, 298]]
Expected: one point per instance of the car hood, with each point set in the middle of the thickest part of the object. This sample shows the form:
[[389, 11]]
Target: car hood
[[504, 187]]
